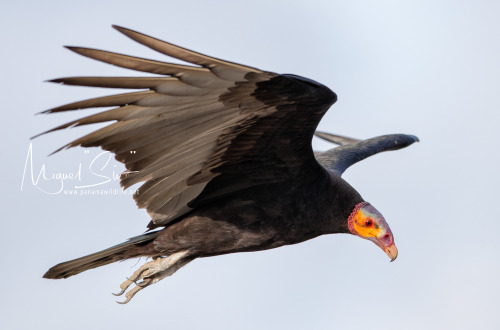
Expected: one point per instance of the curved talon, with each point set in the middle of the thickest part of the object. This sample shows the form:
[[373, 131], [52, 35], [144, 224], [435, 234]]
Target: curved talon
[[130, 295], [119, 293], [123, 302], [124, 286]]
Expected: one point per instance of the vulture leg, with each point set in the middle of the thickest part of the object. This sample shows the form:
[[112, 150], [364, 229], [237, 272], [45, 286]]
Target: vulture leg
[[153, 272]]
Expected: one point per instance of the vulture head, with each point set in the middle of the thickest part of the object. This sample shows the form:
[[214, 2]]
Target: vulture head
[[366, 222]]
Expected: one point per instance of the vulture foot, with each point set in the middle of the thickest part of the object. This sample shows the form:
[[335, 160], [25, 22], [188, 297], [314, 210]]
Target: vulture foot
[[152, 272]]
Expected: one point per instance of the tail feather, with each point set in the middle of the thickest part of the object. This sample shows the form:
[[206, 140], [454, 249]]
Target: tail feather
[[132, 248]]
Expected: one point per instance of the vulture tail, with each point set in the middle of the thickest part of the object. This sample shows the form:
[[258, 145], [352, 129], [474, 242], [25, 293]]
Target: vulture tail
[[135, 247]]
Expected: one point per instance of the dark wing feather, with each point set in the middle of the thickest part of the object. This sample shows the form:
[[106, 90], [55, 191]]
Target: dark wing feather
[[340, 158], [202, 131], [333, 138]]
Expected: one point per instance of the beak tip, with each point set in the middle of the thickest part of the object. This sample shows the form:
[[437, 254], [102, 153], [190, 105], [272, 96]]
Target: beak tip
[[392, 252]]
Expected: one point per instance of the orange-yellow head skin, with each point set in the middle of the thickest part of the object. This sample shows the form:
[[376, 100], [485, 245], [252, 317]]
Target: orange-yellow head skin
[[366, 222]]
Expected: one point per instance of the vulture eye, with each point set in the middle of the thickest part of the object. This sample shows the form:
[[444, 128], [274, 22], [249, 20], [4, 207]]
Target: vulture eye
[[368, 222]]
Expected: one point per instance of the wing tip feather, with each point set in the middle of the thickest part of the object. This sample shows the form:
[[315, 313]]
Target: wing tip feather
[[414, 137], [84, 51], [56, 81], [72, 48], [119, 28]]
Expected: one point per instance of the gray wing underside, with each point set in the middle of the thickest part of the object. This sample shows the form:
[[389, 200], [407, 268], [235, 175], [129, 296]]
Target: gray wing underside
[[352, 150]]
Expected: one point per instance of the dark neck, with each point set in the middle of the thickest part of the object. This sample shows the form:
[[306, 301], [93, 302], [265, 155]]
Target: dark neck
[[327, 201], [339, 200]]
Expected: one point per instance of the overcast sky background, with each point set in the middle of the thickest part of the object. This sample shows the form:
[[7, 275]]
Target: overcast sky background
[[429, 68]]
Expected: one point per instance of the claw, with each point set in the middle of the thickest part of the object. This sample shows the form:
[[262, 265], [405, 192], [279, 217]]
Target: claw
[[119, 293], [130, 295], [152, 272], [123, 287]]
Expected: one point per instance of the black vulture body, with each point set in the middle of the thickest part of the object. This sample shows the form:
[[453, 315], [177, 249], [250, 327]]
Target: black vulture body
[[255, 219], [263, 218]]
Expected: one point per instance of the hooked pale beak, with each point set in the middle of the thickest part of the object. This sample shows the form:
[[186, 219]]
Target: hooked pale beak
[[392, 252]]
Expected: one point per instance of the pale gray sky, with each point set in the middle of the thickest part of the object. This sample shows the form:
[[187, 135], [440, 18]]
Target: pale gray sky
[[429, 68]]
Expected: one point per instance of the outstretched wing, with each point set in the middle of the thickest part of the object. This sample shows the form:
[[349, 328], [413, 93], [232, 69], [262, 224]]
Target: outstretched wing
[[195, 123], [352, 151]]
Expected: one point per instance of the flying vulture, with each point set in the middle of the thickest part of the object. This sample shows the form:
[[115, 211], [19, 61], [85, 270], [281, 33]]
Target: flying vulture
[[224, 154]]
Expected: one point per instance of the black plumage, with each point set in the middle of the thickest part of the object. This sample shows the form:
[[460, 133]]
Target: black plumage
[[224, 153]]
